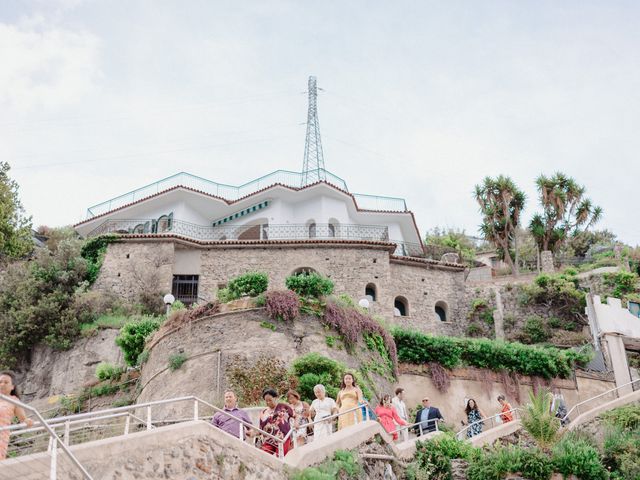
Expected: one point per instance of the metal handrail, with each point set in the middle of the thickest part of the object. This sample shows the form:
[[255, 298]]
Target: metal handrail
[[232, 193], [491, 419], [54, 438], [435, 421], [330, 418], [577, 405]]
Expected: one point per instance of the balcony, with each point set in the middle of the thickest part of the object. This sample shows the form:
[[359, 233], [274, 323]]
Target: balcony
[[320, 231], [231, 193]]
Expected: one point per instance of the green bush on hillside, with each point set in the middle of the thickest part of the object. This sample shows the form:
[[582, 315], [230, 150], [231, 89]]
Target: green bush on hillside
[[313, 369], [574, 455], [133, 336], [251, 284], [309, 284], [450, 352], [108, 371]]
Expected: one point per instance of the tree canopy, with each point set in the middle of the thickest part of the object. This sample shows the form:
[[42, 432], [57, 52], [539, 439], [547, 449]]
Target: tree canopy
[[15, 226], [501, 203], [565, 211]]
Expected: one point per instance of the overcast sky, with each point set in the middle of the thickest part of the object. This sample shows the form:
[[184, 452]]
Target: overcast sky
[[421, 99]]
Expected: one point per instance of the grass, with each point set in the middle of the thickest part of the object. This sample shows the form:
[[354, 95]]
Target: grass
[[104, 322]]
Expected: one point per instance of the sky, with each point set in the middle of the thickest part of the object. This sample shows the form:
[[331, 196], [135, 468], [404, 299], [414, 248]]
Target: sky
[[419, 99]]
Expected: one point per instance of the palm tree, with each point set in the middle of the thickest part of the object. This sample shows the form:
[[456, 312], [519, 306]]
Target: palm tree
[[501, 203], [539, 421], [565, 211]]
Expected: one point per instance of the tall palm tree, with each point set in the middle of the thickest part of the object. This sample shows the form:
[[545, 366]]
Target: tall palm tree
[[501, 203], [565, 210]]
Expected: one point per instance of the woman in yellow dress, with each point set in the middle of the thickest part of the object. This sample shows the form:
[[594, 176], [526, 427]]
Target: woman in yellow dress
[[349, 397]]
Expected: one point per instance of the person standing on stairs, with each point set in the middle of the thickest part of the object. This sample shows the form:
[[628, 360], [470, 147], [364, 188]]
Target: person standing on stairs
[[9, 411]]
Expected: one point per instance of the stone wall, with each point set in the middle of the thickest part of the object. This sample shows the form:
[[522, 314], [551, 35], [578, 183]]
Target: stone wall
[[215, 344], [484, 386], [54, 372], [352, 268], [131, 268]]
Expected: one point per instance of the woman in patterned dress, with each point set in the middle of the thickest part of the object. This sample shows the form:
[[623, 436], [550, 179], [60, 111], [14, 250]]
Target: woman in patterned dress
[[276, 420], [474, 414], [300, 416], [8, 411]]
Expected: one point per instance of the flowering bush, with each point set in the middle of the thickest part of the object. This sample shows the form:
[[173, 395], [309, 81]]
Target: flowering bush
[[248, 380], [352, 323], [282, 305], [309, 284]]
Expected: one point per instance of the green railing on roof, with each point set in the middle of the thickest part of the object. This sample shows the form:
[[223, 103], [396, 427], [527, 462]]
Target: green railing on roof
[[231, 193]]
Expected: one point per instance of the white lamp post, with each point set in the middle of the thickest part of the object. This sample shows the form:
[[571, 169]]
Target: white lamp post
[[168, 301], [364, 303]]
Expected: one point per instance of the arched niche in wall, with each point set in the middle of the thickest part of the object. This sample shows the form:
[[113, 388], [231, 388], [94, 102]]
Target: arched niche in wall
[[400, 307], [371, 292], [311, 228], [303, 271], [442, 310], [333, 228], [164, 223]]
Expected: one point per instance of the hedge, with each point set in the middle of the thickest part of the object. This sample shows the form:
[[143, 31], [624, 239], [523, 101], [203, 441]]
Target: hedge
[[450, 352]]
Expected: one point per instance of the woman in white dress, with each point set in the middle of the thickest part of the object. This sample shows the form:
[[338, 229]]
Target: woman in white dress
[[322, 407]]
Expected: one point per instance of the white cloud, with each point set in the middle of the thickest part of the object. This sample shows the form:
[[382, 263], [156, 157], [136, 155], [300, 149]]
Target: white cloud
[[45, 66]]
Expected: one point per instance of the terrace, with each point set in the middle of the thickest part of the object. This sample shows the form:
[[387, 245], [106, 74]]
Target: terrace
[[233, 193], [222, 233]]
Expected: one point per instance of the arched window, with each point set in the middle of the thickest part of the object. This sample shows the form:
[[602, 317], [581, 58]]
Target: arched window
[[370, 292], [400, 307], [441, 310], [164, 223], [303, 271], [139, 228], [312, 230], [334, 228]]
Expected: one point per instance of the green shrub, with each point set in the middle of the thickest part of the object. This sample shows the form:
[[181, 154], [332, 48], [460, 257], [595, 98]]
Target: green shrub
[[309, 284], [312, 369], [534, 330], [268, 325], [103, 390], [623, 283], [496, 463], [108, 371], [224, 295], [621, 453], [176, 361], [37, 299], [575, 456], [133, 336], [343, 466], [249, 284], [93, 252], [450, 352], [554, 322], [177, 305], [474, 330], [143, 357], [625, 418]]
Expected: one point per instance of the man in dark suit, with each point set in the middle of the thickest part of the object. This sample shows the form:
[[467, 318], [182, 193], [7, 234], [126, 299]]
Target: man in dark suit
[[427, 417]]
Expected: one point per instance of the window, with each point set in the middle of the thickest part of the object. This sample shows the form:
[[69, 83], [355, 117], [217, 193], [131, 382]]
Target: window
[[332, 230], [400, 307], [139, 228], [370, 292], [441, 310], [312, 230], [303, 271], [185, 288], [333, 227]]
